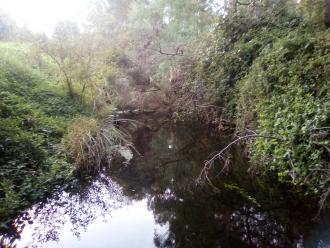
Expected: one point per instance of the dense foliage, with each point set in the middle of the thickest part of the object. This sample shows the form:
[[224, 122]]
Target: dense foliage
[[271, 73], [34, 114]]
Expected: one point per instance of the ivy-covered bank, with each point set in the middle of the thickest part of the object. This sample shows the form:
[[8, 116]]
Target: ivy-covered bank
[[34, 115], [271, 73]]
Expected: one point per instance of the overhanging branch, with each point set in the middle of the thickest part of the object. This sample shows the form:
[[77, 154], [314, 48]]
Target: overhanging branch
[[178, 52]]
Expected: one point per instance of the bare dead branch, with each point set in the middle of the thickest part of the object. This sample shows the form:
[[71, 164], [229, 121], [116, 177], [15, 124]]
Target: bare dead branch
[[320, 128], [208, 164], [178, 52], [322, 202], [293, 171], [246, 4]]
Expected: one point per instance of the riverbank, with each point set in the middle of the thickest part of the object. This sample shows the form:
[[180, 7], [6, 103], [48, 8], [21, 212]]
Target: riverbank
[[34, 115]]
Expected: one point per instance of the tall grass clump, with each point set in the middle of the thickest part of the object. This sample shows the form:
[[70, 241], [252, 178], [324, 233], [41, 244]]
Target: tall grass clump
[[91, 145]]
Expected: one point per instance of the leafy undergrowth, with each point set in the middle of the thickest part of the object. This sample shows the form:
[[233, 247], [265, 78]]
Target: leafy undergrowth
[[271, 73], [285, 95], [34, 115], [289, 95]]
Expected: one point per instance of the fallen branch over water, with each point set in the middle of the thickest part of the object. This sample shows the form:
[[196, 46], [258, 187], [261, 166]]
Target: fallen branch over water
[[208, 164]]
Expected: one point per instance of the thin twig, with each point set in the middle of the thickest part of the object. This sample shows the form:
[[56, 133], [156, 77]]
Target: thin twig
[[293, 169], [320, 128], [322, 201], [209, 163]]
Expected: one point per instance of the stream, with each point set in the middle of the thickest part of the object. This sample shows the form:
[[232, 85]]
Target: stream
[[154, 201]]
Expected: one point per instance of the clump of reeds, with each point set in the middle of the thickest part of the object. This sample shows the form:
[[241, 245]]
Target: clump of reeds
[[91, 144]]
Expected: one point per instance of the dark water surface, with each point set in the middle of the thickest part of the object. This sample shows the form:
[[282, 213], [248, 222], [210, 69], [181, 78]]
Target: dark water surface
[[154, 201]]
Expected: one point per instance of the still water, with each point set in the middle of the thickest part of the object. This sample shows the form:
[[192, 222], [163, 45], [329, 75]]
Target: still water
[[154, 201]]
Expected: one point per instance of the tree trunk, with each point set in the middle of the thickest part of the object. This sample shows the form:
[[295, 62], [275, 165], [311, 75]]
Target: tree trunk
[[70, 89], [234, 7], [327, 13]]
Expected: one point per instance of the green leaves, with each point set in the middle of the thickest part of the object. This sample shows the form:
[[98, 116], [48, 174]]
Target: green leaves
[[293, 115], [33, 119], [271, 73]]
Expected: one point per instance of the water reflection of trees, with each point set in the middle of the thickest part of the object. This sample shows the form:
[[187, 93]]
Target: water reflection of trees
[[195, 215], [207, 222], [77, 209]]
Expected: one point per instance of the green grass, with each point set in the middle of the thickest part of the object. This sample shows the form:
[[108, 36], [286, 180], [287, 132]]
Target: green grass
[[34, 115]]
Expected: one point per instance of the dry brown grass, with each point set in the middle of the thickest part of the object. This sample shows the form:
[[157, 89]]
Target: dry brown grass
[[91, 145]]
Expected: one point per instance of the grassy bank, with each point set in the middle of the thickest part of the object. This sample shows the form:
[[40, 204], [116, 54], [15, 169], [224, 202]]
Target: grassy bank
[[34, 115]]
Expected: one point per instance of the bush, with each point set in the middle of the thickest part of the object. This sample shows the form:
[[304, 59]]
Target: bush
[[300, 154], [271, 74], [238, 42], [286, 95]]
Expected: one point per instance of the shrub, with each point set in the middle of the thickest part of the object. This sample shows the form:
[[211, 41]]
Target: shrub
[[286, 95], [300, 155], [271, 74]]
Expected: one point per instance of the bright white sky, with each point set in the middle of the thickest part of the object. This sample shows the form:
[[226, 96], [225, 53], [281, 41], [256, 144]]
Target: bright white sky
[[42, 15]]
